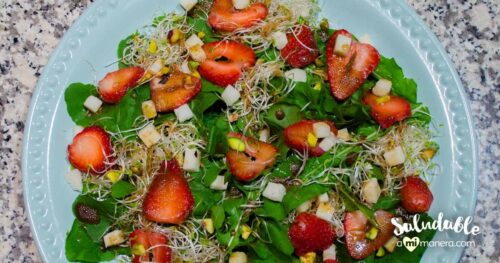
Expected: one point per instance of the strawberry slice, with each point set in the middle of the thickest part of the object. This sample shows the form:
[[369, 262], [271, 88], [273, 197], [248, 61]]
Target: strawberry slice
[[415, 195], [346, 74], [301, 49], [297, 133], [115, 84], [331, 261], [145, 243], [248, 164], [387, 110], [168, 92], [225, 62], [224, 17], [169, 199], [309, 233], [355, 226], [91, 150]]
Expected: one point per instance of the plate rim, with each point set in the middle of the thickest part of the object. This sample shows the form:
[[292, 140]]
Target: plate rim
[[395, 10]]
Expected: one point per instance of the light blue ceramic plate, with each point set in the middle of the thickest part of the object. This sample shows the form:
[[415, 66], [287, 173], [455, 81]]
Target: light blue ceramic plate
[[394, 28]]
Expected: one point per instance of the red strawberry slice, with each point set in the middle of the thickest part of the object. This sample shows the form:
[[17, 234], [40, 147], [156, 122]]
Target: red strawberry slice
[[331, 261], [225, 62], [387, 110], [355, 226], [114, 85], [309, 233], [296, 136], [168, 92], [415, 195], [301, 49], [346, 74], [224, 17], [250, 163], [169, 199], [149, 242], [91, 150]]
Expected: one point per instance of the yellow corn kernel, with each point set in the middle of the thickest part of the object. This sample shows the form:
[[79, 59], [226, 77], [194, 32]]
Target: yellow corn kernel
[[153, 47], [308, 258], [236, 144], [196, 74], [380, 252], [246, 231], [383, 99], [149, 109], [165, 70], [427, 154], [138, 250], [208, 224], [372, 233], [176, 35], [201, 34], [312, 140], [319, 62], [317, 86], [113, 175]]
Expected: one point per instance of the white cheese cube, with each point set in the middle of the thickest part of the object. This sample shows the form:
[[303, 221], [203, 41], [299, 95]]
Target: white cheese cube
[[241, 4], [230, 95], [74, 179], [149, 135], [208, 225], [238, 257], [330, 253], [92, 103], [274, 191], [192, 41], [113, 238], [197, 53], [365, 39], [325, 211], [218, 183], [191, 160], [155, 67], [149, 109], [343, 134], [382, 87], [327, 143], [264, 135], [185, 67], [323, 198], [188, 4], [183, 113], [296, 74], [342, 45], [390, 245], [395, 156], [371, 190], [279, 39], [321, 129], [304, 206]]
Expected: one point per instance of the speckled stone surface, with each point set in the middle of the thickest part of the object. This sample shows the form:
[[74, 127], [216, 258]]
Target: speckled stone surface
[[30, 30]]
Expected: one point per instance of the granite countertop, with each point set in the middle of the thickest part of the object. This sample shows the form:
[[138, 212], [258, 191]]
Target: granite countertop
[[30, 30]]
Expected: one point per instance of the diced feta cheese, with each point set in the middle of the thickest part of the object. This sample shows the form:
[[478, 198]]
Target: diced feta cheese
[[208, 225], [325, 211], [192, 41], [279, 39], [149, 109], [371, 190], [296, 74], [327, 143], [183, 113], [92, 103], [241, 4], [149, 135], [365, 39], [246, 231], [197, 53], [330, 253], [155, 67], [264, 135], [274, 191], [185, 67], [323, 198], [395, 156], [74, 179], [304, 206], [188, 4], [230, 95], [218, 184], [390, 245], [342, 45], [321, 129], [191, 160], [382, 88], [238, 257], [113, 238], [343, 134]]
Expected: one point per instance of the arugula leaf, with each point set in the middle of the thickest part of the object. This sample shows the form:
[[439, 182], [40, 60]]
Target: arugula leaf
[[353, 204], [401, 86], [120, 51], [218, 128], [292, 114], [272, 210], [386, 202], [122, 189], [204, 198], [278, 234], [201, 25], [218, 216], [299, 194], [106, 210], [420, 113]]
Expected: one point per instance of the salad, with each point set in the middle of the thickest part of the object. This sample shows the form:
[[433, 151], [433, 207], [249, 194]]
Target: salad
[[248, 131]]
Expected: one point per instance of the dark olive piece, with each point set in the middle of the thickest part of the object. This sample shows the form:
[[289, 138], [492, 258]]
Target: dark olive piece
[[87, 214], [280, 114]]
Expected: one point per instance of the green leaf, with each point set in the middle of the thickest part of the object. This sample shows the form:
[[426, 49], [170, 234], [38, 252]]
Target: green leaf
[[218, 216], [201, 25], [352, 204], [218, 128], [122, 189], [120, 51], [80, 247], [278, 233], [272, 210], [292, 115], [387, 202], [204, 198], [401, 86], [299, 194]]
